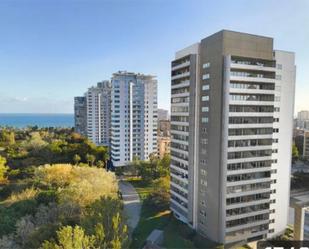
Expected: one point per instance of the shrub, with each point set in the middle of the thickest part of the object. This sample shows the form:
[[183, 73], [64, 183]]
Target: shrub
[[46, 197]]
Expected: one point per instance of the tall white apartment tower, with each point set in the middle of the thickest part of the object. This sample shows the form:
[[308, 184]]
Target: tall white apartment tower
[[98, 100], [231, 136], [133, 117]]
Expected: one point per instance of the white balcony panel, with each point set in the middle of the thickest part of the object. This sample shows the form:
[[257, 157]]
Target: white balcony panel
[[180, 114], [185, 133], [181, 85], [246, 171], [251, 192], [243, 236], [184, 171], [182, 75], [250, 102], [251, 114], [245, 215], [179, 196], [252, 181], [249, 159], [252, 224], [182, 65], [185, 104], [251, 91], [175, 95], [180, 151], [179, 186], [179, 123], [178, 205], [179, 141], [238, 126], [184, 180], [246, 204], [249, 148], [259, 136], [251, 79], [252, 67], [180, 160]]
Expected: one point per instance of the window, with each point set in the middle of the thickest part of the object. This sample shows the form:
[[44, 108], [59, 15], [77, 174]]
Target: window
[[205, 109], [203, 182], [206, 65], [205, 98], [204, 120], [205, 87], [278, 77], [206, 76], [279, 66], [204, 141]]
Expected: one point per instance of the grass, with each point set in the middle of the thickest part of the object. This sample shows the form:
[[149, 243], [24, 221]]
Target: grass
[[173, 238], [176, 234], [153, 219], [143, 189], [150, 218]]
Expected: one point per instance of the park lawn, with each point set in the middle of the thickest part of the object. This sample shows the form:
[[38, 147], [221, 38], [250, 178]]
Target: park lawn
[[143, 189], [172, 236], [150, 219]]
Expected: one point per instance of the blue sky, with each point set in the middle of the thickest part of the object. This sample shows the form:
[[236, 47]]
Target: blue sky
[[51, 51]]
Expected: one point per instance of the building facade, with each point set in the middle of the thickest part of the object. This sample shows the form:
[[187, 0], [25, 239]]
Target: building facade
[[306, 145], [133, 117], [164, 146], [303, 115], [92, 113], [80, 115], [163, 114], [231, 136]]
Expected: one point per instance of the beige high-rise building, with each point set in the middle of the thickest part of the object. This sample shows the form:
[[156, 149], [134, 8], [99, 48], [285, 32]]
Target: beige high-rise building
[[164, 146]]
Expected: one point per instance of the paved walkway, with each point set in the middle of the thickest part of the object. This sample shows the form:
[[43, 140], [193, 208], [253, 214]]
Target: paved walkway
[[132, 203]]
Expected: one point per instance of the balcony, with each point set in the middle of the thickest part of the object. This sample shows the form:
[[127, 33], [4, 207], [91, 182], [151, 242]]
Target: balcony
[[252, 91], [255, 223], [180, 75], [250, 148], [184, 83], [256, 67], [246, 182], [252, 79], [183, 64]]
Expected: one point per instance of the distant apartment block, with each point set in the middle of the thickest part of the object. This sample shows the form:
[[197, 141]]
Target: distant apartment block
[[302, 120], [133, 117], [98, 113], [163, 114], [92, 113], [303, 115], [164, 128], [80, 115], [231, 136]]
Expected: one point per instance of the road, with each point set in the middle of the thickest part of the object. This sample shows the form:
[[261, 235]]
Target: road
[[132, 204]]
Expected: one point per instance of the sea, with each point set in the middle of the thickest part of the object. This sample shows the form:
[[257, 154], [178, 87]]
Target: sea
[[21, 120]]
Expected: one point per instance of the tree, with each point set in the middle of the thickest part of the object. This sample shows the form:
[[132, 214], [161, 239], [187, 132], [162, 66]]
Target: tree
[[3, 169], [90, 159], [71, 238], [295, 153], [104, 218], [76, 159], [100, 164]]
